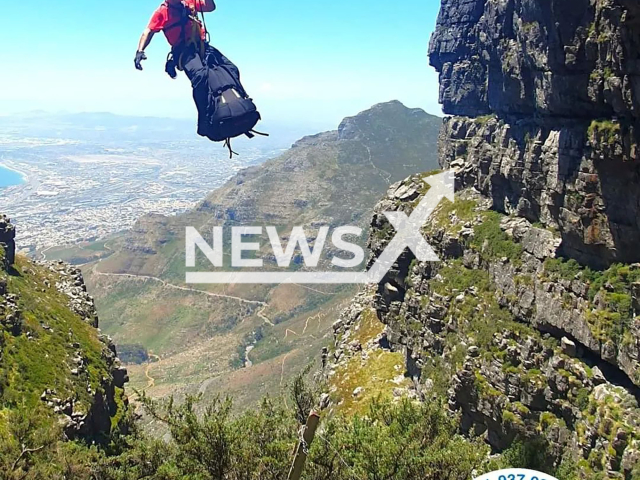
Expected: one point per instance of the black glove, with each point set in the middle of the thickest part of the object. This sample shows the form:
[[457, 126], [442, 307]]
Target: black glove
[[138, 61], [170, 68]]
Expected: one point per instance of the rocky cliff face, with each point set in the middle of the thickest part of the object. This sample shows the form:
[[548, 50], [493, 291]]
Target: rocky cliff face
[[552, 88], [7, 241], [573, 59], [528, 326], [51, 353], [520, 342]]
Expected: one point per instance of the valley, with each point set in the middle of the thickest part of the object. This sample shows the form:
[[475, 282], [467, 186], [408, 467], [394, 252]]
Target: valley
[[249, 340]]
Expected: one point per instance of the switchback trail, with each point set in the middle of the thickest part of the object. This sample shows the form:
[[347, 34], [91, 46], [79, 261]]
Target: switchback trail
[[386, 176], [151, 382], [166, 284]]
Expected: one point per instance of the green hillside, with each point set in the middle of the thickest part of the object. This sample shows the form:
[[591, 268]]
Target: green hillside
[[59, 379]]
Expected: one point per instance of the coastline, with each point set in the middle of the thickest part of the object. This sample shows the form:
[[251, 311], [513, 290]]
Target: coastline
[[23, 176]]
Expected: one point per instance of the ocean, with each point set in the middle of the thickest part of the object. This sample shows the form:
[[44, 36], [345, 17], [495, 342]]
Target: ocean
[[9, 177]]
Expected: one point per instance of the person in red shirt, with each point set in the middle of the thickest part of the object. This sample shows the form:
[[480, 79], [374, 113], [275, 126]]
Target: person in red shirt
[[190, 50], [178, 20]]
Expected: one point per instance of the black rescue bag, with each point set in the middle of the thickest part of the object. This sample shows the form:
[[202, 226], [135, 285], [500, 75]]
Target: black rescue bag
[[225, 110], [230, 111]]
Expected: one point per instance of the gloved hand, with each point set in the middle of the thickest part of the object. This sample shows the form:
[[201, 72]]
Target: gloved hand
[[170, 68], [138, 61]]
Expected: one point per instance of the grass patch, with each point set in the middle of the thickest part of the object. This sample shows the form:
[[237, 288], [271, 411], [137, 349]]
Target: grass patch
[[369, 327], [488, 239], [33, 365], [270, 346], [558, 268], [604, 131], [464, 210], [484, 119], [375, 375], [480, 316], [612, 286], [492, 242], [39, 356]]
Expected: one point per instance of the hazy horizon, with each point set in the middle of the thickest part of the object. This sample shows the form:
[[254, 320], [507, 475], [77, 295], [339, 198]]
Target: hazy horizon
[[311, 126]]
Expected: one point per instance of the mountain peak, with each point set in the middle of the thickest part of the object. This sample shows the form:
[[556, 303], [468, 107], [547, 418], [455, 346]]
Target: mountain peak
[[383, 118], [378, 121]]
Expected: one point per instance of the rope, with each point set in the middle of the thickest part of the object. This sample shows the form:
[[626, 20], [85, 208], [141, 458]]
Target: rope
[[227, 143], [207, 37]]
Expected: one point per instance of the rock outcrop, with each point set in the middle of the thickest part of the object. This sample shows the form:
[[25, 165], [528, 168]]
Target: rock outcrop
[[575, 59], [7, 241], [521, 342], [529, 326], [109, 398], [58, 356], [362, 366]]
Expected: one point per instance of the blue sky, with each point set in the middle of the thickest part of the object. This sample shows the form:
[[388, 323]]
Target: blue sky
[[311, 62]]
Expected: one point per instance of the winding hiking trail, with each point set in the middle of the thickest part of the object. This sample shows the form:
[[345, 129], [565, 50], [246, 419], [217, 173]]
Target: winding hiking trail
[[151, 382], [260, 313], [386, 176], [284, 359], [166, 284]]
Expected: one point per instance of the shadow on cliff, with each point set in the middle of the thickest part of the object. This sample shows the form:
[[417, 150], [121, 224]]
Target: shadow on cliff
[[621, 198]]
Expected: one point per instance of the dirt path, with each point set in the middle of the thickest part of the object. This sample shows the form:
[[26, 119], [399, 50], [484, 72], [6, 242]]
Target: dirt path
[[166, 284], [386, 176], [284, 359], [151, 382]]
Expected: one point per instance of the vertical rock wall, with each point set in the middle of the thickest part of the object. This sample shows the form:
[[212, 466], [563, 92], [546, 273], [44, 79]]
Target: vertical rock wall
[[528, 327], [545, 99]]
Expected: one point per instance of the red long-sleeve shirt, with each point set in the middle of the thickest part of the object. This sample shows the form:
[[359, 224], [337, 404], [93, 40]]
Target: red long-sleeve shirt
[[167, 18]]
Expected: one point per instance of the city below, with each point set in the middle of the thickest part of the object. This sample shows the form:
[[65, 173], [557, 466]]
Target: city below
[[86, 177]]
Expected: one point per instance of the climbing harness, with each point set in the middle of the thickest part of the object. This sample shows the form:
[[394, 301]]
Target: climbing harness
[[192, 39]]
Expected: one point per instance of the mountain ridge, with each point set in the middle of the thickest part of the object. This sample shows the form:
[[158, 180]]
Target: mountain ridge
[[56, 366]]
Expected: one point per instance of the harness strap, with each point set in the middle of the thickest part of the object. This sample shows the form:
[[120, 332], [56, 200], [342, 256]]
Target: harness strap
[[227, 143], [179, 52], [252, 133], [185, 15]]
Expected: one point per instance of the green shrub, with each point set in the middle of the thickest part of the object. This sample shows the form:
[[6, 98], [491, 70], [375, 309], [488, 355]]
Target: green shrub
[[604, 130], [492, 242]]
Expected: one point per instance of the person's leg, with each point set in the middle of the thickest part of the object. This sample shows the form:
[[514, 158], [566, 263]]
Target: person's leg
[[197, 72], [215, 57]]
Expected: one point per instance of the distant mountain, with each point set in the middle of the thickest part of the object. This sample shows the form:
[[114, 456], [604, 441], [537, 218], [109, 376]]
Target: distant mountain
[[334, 176], [200, 337]]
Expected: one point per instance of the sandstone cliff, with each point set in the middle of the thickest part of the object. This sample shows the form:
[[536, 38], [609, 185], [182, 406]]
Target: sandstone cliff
[[528, 327], [553, 91]]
